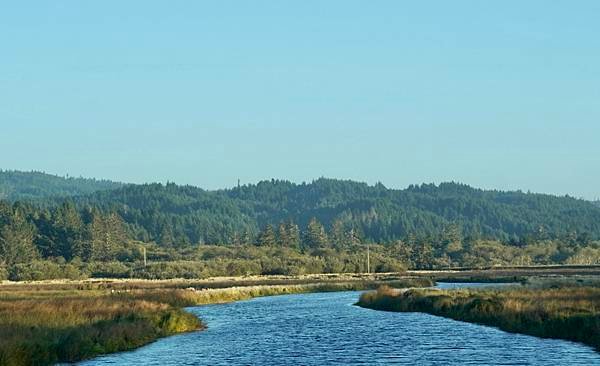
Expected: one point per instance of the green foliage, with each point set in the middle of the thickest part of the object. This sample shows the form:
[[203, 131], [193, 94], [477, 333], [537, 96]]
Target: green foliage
[[175, 215], [28, 232], [16, 185], [323, 226], [109, 270], [16, 236], [315, 236], [267, 237], [44, 270]]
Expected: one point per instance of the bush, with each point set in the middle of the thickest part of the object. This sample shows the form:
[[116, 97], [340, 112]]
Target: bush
[[109, 270], [3, 273], [167, 270], [390, 265], [44, 270]]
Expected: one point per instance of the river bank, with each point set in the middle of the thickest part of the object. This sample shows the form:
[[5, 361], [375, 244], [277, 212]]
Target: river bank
[[67, 321], [563, 312], [316, 329]]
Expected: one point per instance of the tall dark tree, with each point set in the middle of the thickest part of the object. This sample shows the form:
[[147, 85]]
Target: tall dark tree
[[166, 238], [64, 231], [422, 254], [267, 237], [451, 240], [16, 240], [315, 235], [293, 233], [283, 238], [339, 239]]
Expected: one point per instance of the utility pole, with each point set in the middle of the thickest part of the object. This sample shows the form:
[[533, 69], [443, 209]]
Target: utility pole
[[368, 260], [145, 261]]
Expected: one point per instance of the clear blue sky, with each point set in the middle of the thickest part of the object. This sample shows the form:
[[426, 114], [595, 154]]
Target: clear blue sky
[[502, 94]]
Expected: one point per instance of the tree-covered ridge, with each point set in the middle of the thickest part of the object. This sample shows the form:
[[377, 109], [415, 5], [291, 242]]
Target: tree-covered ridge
[[174, 215], [278, 227], [17, 185], [184, 214]]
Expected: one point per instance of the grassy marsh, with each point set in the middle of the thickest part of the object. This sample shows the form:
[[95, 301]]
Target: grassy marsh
[[45, 323], [570, 313]]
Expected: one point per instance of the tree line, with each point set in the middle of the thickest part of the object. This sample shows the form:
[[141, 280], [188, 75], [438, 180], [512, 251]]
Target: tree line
[[323, 225], [189, 215], [28, 233]]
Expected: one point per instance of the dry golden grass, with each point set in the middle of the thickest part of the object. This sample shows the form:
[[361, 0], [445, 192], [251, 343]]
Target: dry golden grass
[[45, 323], [566, 313]]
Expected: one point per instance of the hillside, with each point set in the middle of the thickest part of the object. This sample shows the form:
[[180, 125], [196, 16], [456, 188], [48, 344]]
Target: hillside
[[17, 185], [189, 215], [192, 215], [279, 227]]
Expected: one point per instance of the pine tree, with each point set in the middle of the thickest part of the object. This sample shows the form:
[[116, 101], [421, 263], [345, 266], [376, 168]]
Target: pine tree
[[97, 237], [247, 237], [104, 236], [282, 235], [293, 232], [16, 240], [166, 238], [315, 235], [422, 254], [353, 237], [67, 232], [236, 240], [451, 240], [267, 237], [338, 235]]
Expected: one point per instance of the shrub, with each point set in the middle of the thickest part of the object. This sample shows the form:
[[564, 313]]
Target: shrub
[[3, 273], [109, 270], [44, 270]]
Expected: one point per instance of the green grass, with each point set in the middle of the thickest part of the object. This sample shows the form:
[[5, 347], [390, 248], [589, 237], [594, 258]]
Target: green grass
[[41, 324], [571, 313]]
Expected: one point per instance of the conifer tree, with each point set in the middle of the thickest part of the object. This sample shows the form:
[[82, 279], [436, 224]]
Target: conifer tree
[[293, 232], [267, 237], [16, 240], [338, 235], [282, 235], [315, 235]]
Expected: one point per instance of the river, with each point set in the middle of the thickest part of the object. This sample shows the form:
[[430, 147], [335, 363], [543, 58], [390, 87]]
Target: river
[[326, 329]]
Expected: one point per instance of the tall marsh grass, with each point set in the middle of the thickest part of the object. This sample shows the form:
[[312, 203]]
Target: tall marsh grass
[[67, 329], [46, 324], [564, 313]]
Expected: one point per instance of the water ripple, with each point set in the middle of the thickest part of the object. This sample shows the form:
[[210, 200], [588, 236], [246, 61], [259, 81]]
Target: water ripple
[[325, 329]]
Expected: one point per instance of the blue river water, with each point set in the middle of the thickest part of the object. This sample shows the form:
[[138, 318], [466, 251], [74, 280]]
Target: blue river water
[[326, 329]]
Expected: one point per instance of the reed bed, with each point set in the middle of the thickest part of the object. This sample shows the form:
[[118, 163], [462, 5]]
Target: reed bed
[[563, 313], [46, 324], [194, 297], [68, 329]]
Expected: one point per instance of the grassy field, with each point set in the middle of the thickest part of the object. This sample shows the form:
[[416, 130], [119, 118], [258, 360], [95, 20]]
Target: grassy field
[[549, 310], [66, 321], [507, 274]]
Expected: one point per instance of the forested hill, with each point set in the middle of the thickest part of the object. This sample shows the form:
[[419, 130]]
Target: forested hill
[[17, 185], [171, 213]]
